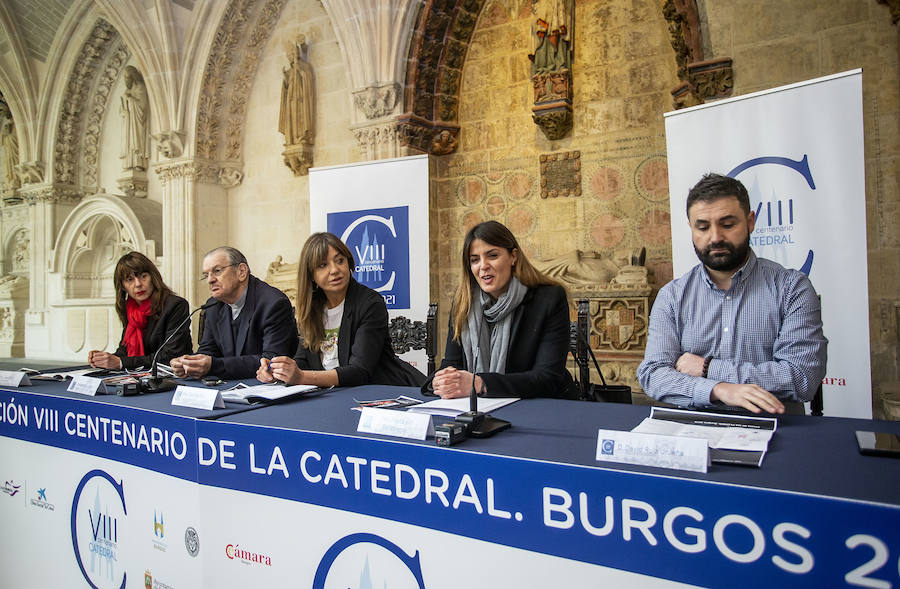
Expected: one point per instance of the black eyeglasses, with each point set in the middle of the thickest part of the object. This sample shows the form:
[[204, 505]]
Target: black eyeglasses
[[216, 272]]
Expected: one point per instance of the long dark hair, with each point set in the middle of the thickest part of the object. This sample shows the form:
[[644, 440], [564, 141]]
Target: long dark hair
[[496, 234], [137, 263], [311, 300]]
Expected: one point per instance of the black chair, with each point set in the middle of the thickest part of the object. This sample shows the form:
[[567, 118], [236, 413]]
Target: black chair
[[409, 335], [816, 406], [580, 348]]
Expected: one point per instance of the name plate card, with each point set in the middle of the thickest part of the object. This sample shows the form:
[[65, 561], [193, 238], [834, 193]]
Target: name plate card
[[13, 378], [85, 385], [401, 424], [198, 398], [676, 452]]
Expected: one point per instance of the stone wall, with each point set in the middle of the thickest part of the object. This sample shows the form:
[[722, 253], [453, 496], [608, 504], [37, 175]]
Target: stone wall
[[624, 69], [269, 211]]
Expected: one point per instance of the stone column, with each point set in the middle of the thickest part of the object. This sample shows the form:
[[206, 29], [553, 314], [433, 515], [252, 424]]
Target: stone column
[[48, 208], [195, 219]]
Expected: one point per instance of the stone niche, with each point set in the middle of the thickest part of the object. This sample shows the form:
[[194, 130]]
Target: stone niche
[[91, 240]]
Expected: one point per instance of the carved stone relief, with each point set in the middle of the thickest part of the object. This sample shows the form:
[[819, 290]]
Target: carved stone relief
[[225, 88], [377, 101], [379, 141], [701, 79], [76, 95], [50, 194], [31, 172], [21, 254], [240, 87], [561, 174], [99, 104], [433, 77], [169, 144]]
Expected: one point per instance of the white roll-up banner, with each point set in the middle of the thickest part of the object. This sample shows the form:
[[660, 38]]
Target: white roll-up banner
[[380, 210], [799, 151]]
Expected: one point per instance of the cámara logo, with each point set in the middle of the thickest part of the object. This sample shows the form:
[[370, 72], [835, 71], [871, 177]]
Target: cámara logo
[[98, 508], [235, 552], [379, 241]]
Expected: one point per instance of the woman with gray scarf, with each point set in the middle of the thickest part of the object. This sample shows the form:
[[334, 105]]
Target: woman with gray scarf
[[509, 325]]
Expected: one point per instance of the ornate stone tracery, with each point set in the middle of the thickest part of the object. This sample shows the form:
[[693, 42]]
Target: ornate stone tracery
[[99, 103], [378, 141], [237, 112], [226, 83], [433, 75], [701, 79], [77, 89]]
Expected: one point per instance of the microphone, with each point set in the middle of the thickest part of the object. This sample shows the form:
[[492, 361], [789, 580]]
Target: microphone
[[479, 424], [154, 384]]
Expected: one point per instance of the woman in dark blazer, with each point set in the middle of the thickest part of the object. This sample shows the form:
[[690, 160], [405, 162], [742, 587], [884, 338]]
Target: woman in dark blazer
[[343, 326], [509, 325], [149, 312]]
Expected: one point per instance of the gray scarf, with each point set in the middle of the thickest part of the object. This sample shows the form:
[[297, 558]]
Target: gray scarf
[[489, 326]]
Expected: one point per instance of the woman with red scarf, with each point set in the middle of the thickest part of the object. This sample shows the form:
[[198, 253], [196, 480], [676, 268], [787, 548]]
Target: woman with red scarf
[[150, 312]]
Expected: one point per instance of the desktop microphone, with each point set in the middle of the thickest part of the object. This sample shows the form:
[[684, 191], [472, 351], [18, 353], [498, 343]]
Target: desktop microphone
[[154, 384], [479, 424]]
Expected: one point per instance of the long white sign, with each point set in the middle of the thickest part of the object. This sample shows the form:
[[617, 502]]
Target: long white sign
[[799, 151]]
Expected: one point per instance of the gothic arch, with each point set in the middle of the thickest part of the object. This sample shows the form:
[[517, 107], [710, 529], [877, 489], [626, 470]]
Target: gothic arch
[[441, 41], [225, 86], [85, 100], [104, 220]]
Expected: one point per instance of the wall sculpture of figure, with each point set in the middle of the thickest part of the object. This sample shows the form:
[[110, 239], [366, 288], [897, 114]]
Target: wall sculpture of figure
[[552, 32], [134, 108], [10, 144], [296, 120]]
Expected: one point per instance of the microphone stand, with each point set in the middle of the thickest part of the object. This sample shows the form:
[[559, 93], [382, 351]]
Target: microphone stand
[[479, 424], [154, 384]]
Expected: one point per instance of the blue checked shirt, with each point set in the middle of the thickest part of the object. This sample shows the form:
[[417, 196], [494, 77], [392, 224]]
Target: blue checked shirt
[[765, 330]]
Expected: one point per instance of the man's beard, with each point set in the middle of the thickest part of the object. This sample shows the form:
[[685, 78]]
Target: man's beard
[[733, 260]]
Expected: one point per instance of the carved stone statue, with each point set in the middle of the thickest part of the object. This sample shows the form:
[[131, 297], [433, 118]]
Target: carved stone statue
[[583, 271], [10, 143], [551, 33], [551, 66], [20, 253], [296, 120], [135, 115]]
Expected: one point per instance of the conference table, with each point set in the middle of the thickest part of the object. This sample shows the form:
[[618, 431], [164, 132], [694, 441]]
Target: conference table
[[108, 491]]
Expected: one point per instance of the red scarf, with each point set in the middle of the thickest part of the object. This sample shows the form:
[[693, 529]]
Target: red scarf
[[137, 314]]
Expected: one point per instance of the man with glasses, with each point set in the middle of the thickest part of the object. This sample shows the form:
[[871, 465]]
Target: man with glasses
[[252, 321]]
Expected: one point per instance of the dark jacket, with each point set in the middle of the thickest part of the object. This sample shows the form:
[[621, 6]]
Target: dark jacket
[[365, 355], [158, 328], [266, 327], [538, 346]]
